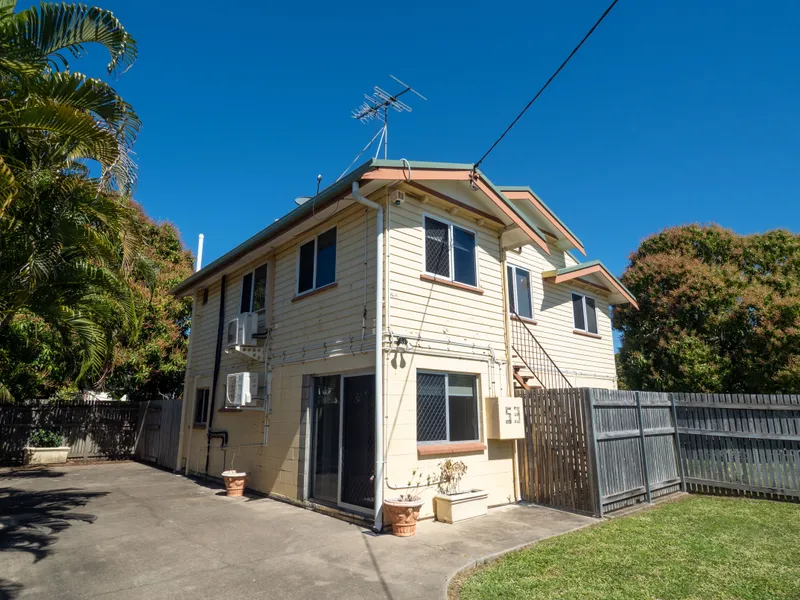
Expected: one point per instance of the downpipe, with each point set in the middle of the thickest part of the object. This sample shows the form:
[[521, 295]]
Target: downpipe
[[379, 458]]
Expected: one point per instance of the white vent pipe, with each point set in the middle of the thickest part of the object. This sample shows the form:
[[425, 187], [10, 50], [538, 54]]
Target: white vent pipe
[[199, 262]]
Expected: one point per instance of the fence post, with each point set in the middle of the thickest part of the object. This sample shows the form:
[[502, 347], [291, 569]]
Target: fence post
[[644, 448], [678, 451], [594, 458]]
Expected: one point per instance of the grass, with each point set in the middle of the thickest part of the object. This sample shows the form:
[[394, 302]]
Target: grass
[[701, 547]]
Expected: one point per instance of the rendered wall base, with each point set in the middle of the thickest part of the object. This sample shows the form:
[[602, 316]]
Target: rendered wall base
[[460, 507], [45, 456]]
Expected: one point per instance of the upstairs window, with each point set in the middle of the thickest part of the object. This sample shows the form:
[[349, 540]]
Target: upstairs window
[[583, 313], [316, 263], [450, 252], [201, 399], [254, 290], [520, 294]]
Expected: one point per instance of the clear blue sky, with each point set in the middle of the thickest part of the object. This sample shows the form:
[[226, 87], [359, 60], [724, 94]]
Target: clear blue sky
[[673, 112]]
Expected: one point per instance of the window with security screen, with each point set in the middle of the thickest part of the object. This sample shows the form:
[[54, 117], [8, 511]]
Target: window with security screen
[[450, 252], [447, 407]]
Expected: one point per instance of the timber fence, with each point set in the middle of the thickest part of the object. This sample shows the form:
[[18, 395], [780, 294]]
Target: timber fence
[[95, 429], [596, 451]]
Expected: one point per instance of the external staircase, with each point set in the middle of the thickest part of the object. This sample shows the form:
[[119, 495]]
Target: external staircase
[[532, 365]]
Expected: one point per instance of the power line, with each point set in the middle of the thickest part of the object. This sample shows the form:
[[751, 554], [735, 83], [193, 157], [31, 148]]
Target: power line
[[544, 87]]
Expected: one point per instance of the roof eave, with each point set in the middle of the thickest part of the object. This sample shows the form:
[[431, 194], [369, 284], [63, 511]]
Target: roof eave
[[595, 267]]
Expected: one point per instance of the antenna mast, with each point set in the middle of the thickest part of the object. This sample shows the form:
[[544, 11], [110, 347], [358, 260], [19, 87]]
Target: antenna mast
[[376, 106]]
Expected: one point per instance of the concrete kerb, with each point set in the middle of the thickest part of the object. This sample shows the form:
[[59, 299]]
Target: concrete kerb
[[457, 578]]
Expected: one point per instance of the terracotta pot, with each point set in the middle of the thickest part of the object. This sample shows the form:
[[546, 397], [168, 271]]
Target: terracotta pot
[[234, 482], [402, 515]]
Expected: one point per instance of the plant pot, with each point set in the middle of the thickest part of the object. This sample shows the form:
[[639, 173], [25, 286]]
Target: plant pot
[[234, 482], [402, 515], [45, 456], [452, 508]]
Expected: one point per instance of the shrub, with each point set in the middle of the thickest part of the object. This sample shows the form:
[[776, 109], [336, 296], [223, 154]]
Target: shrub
[[46, 438]]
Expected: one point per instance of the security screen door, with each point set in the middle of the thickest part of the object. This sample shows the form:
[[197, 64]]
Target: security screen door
[[344, 440]]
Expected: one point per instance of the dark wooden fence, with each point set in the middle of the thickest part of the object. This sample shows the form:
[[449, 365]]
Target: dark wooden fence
[[595, 451], [95, 429], [158, 428]]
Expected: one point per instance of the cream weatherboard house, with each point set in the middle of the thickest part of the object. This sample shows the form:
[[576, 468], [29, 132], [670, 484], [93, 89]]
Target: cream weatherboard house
[[369, 332]]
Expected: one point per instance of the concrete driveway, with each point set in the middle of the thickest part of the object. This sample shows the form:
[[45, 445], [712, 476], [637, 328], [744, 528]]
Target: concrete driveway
[[126, 530]]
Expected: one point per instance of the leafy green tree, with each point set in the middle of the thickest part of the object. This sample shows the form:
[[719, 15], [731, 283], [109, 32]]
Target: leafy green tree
[[38, 359], [151, 360], [69, 245], [719, 312]]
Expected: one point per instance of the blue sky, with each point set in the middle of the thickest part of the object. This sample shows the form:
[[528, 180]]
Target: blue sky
[[673, 112]]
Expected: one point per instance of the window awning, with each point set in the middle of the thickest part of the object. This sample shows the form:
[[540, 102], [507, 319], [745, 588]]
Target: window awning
[[596, 274]]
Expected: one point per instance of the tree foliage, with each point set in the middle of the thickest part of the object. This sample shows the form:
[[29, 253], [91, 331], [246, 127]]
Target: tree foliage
[[719, 312], [83, 272]]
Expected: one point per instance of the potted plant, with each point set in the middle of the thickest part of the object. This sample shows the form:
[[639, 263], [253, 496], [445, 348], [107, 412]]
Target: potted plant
[[235, 482], [402, 512], [45, 447], [451, 505]]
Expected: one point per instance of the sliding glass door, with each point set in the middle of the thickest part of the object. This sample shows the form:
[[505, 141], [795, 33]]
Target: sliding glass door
[[343, 440]]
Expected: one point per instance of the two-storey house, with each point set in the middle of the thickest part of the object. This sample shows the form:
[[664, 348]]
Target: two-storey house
[[361, 336]]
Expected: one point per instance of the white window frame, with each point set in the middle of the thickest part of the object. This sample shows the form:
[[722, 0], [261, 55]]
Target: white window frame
[[447, 406], [252, 274], [514, 289], [314, 272], [585, 329], [450, 252]]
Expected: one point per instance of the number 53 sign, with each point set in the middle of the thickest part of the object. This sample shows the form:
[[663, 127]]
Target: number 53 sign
[[505, 419]]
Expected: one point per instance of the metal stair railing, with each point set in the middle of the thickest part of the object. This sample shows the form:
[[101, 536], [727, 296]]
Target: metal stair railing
[[534, 357]]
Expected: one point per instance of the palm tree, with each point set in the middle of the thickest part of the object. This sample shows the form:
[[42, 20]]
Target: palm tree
[[63, 116], [68, 242]]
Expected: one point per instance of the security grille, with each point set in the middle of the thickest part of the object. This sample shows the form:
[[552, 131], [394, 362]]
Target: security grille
[[437, 248], [431, 407]]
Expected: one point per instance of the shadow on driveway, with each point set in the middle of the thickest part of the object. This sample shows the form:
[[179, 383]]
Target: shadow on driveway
[[31, 520]]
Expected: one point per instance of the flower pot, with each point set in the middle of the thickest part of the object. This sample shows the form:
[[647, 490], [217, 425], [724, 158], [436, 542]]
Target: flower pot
[[234, 482], [452, 508], [402, 515], [45, 456]]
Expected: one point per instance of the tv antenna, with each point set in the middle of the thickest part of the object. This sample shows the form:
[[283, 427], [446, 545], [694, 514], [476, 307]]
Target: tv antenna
[[376, 107]]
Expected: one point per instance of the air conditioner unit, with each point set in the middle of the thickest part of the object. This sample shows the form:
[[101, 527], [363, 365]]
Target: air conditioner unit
[[241, 389], [242, 330]]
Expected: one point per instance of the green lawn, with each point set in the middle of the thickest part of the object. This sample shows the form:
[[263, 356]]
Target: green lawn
[[700, 547]]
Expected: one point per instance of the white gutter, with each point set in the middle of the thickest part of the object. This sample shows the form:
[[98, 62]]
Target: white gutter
[[378, 479]]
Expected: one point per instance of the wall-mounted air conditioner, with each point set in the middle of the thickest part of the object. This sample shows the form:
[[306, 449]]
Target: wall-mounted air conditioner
[[242, 330], [241, 389]]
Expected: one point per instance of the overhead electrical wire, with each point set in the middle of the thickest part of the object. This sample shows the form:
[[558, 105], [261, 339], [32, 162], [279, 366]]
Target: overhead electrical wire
[[547, 83]]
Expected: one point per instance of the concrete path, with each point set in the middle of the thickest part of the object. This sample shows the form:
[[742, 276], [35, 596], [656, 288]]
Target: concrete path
[[129, 531]]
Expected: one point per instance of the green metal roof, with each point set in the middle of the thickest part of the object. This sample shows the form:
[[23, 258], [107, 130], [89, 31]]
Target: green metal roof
[[593, 263], [525, 188]]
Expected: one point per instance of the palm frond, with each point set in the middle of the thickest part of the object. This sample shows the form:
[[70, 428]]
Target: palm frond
[[53, 28], [85, 137], [8, 187], [83, 93]]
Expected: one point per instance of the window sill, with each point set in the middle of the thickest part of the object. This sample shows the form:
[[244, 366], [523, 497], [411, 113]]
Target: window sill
[[452, 284], [230, 410], [587, 334], [524, 320], [324, 288], [449, 448], [199, 426]]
